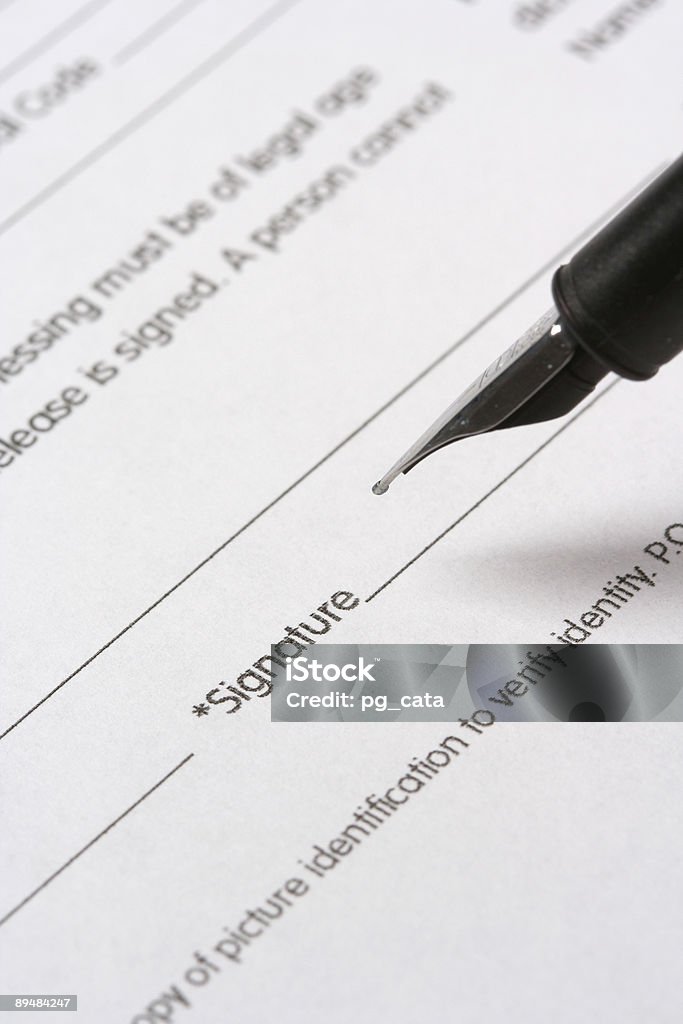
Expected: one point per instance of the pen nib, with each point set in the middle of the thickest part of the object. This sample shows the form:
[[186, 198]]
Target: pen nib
[[496, 394]]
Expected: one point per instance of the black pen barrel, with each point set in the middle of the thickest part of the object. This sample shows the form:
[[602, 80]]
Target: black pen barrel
[[621, 295]]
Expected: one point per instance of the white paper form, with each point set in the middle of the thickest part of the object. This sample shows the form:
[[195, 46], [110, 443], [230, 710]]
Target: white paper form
[[249, 251]]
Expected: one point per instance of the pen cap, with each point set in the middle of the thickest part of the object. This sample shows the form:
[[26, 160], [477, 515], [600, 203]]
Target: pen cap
[[621, 295]]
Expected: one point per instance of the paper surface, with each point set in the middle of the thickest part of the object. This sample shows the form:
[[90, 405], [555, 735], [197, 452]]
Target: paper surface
[[249, 252]]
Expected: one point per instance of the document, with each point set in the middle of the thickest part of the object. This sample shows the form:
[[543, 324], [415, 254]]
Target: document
[[250, 251]]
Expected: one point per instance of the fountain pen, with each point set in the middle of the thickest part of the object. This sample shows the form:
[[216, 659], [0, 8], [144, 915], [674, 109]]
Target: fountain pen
[[618, 307]]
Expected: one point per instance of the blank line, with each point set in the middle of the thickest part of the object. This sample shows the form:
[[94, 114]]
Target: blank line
[[60, 32], [493, 490], [154, 31], [349, 437], [5, 919], [253, 29]]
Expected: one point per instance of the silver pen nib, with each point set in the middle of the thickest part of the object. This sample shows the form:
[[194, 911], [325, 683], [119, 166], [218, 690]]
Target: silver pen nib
[[501, 389]]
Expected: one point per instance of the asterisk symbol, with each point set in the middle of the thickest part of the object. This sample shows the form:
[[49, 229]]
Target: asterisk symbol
[[200, 709]]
